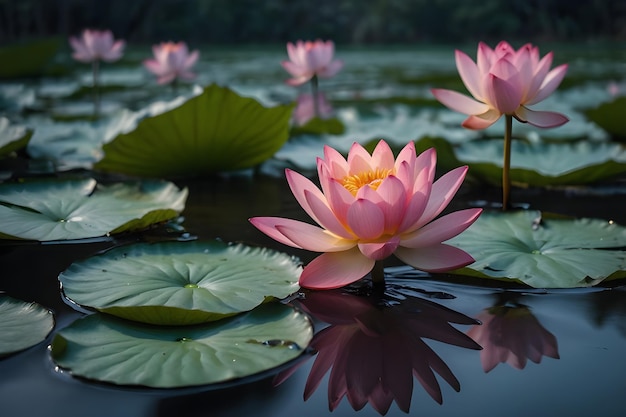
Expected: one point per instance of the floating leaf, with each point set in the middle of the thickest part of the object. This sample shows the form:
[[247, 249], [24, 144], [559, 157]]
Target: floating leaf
[[610, 117], [22, 324], [112, 350], [12, 137], [544, 252], [541, 164], [76, 209], [215, 131], [175, 283], [317, 126]]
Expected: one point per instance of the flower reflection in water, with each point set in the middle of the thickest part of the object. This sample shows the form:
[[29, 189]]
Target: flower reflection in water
[[511, 334], [375, 346]]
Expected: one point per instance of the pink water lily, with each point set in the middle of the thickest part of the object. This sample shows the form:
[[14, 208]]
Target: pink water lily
[[311, 59], [370, 207], [505, 81], [172, 61], [96, 45]]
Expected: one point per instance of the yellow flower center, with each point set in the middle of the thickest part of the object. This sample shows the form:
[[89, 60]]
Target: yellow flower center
[[373, 179]]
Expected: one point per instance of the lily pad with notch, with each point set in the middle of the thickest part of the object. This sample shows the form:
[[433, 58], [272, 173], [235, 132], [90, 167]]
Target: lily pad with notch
[[52, 210], [234, 350], [544, 251], [180, 283], [22, 324]]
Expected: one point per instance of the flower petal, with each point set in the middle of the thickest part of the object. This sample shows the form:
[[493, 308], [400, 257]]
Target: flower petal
[[335, 269], [436, 258], [504, 95], [441, 193], [545, 119], [268, 225], [550, 83], [482, 121], [379, 250], [313, 238], [366, 219], [459, 102], [468, 70], [442, 229]]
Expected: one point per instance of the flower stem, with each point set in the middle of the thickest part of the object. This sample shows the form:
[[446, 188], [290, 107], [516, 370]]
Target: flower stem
[[96, 88], [378, 274], [314, 90], [506, 167]]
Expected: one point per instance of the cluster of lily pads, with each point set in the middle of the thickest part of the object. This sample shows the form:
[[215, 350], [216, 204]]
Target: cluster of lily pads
[[194, 306]]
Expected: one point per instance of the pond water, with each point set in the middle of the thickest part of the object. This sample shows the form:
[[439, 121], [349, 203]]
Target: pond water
[[580, 333]]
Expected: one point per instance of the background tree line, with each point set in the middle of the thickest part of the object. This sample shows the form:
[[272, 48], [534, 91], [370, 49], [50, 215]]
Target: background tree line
[[345, 21]]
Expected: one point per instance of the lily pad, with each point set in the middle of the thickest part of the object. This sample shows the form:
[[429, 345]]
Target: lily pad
[[112, 350], [12, 137], [22, 324], [543, 251], [318, 126], [176, 283], [610, 117], [76, 209], [542, 164], [215, 131]]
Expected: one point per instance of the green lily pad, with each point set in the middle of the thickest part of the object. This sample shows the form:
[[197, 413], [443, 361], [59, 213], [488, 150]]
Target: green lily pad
[[176, 283], [22, 324], [12, 137], [543, 251], [77, 209], [610, 117], [112, 350], [542, 164], [317, 126], [215, 131]]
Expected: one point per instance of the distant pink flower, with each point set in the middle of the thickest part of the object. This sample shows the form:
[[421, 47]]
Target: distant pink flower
[[305, 108], [309, 59], [512, 335], [369, 207], [505, 81], [172, 61], [375, 352], [96, 45]]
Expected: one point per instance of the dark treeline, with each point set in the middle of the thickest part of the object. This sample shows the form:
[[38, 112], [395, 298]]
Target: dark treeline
[[345, 21]]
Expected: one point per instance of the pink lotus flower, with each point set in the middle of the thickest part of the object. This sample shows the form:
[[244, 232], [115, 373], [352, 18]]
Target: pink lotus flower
[[172, 61], [370, 207], [306, 108], [96, 45], [311, 59], [512, 335], [505, 81], [376, 351]]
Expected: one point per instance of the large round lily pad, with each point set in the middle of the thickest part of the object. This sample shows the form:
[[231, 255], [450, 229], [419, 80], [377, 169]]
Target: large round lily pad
[[544, 252], [179, 283], [215, 131], [77, 209], [109, 349], [22, 324]]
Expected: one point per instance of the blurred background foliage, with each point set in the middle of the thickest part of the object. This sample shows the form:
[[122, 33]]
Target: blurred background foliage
[[345, 21]]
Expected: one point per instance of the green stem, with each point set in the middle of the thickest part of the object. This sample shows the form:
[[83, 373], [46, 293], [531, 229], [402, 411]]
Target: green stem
[[96, 89], [378, 274], [506, 167], [314, 90]]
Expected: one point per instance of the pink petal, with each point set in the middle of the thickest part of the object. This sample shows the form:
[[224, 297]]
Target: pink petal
[[550, 83], [299, 185], [468, 70], [366, 219], [313, 238], [442, 229], [482, 121], [335, 269], [382, 156], [459, 102], [293, 69], [325, 216], [441, 194], [268, 225], [436, 258], [379, 251], [393, 197], [337, 165], [331, 70], [359, 160], [505, 96], [545, 119]]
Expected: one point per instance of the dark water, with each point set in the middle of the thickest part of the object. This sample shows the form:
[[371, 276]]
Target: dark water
[[584, 377]]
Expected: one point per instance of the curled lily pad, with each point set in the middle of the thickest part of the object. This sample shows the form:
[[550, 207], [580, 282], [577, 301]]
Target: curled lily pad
[[215, 131], [22, 324], [108, 349], [541, 164], [544, 252], [175, 283], [77, 209], [12, 137]]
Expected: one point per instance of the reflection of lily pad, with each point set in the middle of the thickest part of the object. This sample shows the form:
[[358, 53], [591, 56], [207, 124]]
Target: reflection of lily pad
[[180, 282], [12, 137], [544, 252], [610, 117], [126, 353], [76, 209], [22, 324], [541, 164], [215, 131]]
